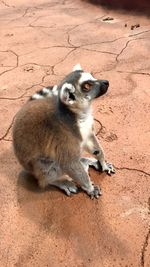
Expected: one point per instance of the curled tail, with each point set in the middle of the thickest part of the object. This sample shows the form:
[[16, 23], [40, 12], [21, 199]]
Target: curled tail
[[45, 92]]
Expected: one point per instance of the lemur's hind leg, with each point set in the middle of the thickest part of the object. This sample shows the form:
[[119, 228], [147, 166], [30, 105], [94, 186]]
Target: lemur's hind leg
[[48, 172]]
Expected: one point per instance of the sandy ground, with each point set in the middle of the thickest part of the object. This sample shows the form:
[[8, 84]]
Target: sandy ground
[[40, 41]]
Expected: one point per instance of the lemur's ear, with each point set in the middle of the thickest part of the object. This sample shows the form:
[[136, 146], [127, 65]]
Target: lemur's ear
[[77, 67], [67, 93]]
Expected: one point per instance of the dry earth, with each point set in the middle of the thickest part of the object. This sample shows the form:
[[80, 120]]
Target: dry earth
[[40, 41]]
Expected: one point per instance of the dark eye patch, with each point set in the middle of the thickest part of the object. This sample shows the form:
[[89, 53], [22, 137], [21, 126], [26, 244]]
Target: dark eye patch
[[87, 86]]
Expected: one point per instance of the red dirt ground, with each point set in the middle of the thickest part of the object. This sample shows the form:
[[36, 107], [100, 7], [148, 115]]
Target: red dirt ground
[[40, 41]]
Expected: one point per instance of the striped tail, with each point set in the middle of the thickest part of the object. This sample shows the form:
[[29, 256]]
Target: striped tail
[[45, 92]]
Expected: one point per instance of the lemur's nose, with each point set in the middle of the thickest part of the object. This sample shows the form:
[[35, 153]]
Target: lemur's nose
[[105, 82]]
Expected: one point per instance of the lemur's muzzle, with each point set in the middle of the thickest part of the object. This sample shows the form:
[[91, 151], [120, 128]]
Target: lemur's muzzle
[[101, 87], [104, 84]]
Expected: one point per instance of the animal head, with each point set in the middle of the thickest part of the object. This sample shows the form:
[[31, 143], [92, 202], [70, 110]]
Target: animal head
[[79, 88]]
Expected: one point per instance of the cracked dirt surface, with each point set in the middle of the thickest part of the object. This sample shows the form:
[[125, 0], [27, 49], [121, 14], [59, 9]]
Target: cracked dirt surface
[[40, 42]]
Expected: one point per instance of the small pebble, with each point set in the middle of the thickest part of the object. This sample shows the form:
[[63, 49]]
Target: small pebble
[[137, 25], [108, 18]]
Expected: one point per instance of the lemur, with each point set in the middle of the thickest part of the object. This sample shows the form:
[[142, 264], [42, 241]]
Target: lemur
[[51, 133]]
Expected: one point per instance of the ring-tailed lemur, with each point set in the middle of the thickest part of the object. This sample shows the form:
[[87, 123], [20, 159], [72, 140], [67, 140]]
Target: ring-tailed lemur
[[51, 132]]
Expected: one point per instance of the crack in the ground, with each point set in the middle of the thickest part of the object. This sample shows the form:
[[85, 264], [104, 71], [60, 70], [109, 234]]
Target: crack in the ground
[[5, 4], [9, 51], [17, 57], [7, 140], [43, 78], [131, 35], [68, 37], [74, 27], [126, 45], [12, 98], [88, 44], [73, 47], [26, 90], [5, 71], [95, 43], [62, 60], [36, 64], [134, 72], [36, 84], [52, 66], [101, 126], [26, 11], [22, 16], [105, 42], [146, 241], [145, 248], [98, 51], [39, 26], [17, 60], [78, 47], [120, 71], [105, 52], [132, 169], [118, 55], [34, 26], [8, 129], [11, 124], [57, 46]]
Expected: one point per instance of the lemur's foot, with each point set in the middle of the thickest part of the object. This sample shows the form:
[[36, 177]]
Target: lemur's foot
[[94, 163], [67, 186], [95, 193], [108, 167]]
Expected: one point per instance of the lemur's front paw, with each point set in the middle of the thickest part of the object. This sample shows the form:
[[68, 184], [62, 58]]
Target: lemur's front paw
[[96, 192], [108, 167]]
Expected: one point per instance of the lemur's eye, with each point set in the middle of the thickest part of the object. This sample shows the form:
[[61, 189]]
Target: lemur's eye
[[87, 86]]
